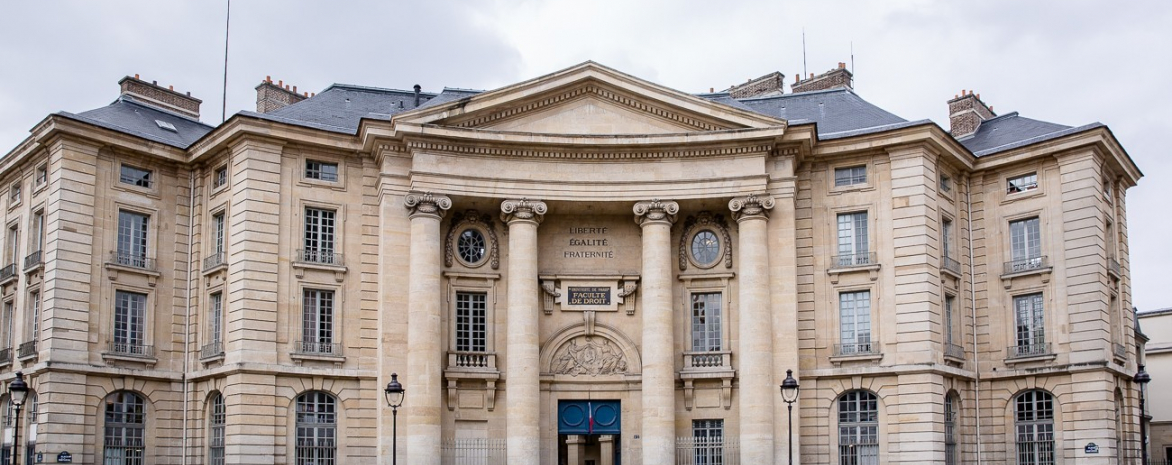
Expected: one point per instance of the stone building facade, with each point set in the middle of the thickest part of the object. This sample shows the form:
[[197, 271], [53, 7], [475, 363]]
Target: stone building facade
[[585, 267], [1157, 325]]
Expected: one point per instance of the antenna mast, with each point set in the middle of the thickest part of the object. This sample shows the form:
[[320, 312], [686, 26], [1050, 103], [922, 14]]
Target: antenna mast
[[804, 53], [224, 102]]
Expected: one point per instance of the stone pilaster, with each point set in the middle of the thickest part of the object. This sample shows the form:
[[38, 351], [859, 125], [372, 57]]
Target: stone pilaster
[[523, 388], [656, 218], [755, 349], [425, 350]]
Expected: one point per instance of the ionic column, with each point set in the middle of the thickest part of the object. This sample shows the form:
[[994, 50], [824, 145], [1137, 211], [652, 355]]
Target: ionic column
[[523, 385], [656, 218], [425, 353], [755, 349]]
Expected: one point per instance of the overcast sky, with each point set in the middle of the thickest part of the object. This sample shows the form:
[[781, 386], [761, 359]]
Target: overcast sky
[[1069, 62]]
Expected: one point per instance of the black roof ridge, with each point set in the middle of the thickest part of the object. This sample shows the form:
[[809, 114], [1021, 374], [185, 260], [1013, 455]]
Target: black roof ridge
[[462, 89], [130, 99], [383, 90], [1040, 138], [798, 94], [1008, 115]]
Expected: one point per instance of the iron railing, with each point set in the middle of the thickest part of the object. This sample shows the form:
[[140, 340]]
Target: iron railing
[[707, 451], [473, 451], [7, 273], [857, 348], [859, 454], [712, 359], [954, 351], [317, 348], [5, 356], [133, 260], [1029, 350], [853, 260], [32, 260], [216, 259], [466, 359], [1027, 264], [317, 451], [1120, 351], [131, 349], [319, 257], [950, 264], [1032, 449], [211, 350], [1114, 267], [27, 349]]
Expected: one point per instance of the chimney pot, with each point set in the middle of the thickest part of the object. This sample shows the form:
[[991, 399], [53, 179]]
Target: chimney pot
[[294, 89], [841, 65], [154, 83], [280, 83], [189, 93], [711, 90], [286, 86], [268, 78], [136, 76], [171, 88]]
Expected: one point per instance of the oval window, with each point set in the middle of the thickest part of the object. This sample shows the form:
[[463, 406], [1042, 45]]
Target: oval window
[[470, 246], [705, 248]]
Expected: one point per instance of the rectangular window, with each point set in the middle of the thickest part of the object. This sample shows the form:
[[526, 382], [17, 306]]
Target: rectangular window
[[220, 177], [135, 176], [132, 239], [129, 322], [1031, 334], [852, 239], [1025, 244], [319, 235], [317, 333], [946, 237], [855, 322], [34, 313], [945, 183], [216, 318], [13, 244], [218, 234], [14, 194], [708, 437], [949, 320], [8, 317], [706, 333], [850, 176], [1023, 183], [42, 175], [321, 170], [471, 321]]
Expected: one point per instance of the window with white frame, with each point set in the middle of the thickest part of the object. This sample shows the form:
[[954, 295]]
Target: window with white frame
[[319, 236], [7, 328], [1034, 425], [218, 235], [1030, 326], [34, 313], [706, 322], [42, 175], [322, 171], [125, 430], [219, 177], [130, 323], [216, 319], [853, 248], [945, 183], [30, 445], [132, 239], [1023, 183], [13, 243], [946, 237], [317, 424], [216, 423], [135, 176], [949, 321], [14, 194], [37, 232], [855, 323], [1025, 244], [317, 331], [708, 438], [471, 321], [849, 176], [858, 429]]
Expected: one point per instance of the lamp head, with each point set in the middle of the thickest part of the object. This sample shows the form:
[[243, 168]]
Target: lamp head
[[1142, 377], [395, 392], [18, 389], [789, 387]]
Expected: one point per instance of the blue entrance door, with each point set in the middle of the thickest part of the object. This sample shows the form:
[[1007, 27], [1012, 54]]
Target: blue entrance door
[[589, 417]]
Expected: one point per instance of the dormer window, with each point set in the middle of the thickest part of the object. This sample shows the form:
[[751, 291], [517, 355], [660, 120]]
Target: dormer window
[[136, 176], [1022, 183], [321, 170]]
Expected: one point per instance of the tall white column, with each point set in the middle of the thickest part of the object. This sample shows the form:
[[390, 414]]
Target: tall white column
[[755, 349], [522, 381], [656, 218], [425, 353]]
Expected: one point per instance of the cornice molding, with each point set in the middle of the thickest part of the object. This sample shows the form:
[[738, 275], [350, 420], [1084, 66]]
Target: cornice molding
[[471, 149]]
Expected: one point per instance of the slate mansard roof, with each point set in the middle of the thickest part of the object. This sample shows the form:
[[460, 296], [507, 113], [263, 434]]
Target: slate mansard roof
[[128, 116]]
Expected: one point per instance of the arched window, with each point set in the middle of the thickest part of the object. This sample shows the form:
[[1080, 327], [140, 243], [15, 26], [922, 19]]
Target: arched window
[[124, 442], [216, 422], [1119, 456], [1034, 422], [951, 451], [858, 429], [317, 423]]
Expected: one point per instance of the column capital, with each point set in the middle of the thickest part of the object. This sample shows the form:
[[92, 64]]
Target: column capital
[[427, 204], [751, 207], [523, 210], [655, 210]]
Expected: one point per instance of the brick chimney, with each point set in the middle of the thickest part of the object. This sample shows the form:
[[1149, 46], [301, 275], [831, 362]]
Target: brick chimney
[[966, 111], [769, 84], [271, 96], [165, 98], [833, 79]]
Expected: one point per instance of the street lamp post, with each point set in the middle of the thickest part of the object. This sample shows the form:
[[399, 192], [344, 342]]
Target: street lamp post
[[395, 394], [17, 392], [1143, 378], [789, 393]]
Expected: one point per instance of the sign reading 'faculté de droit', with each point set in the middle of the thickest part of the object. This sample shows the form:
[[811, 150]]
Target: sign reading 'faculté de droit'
[[588, 295]]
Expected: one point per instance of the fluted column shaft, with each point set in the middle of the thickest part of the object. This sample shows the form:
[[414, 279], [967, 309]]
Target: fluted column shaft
[[425, 353], [656, 218], [755, 348], [523, 384]]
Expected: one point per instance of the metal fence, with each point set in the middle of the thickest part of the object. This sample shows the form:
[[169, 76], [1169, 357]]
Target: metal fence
[[473, 451], [707, 451]]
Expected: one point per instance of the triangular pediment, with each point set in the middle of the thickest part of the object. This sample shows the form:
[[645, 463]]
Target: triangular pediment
[[588, 99]]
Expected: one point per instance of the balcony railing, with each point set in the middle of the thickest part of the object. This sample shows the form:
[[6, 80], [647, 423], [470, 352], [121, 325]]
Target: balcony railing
[[706, 360], [1029, 350], [319, 257], [1114, 268], [1120, 351], [467, 359], [5, 356], [317, 348], [856, 348], [859, 454], [27, 349], [130, 349], [7, 273], [950, 264], [853, 260], [954, 351], [33, 260], [211, 350], [132, 260], [473, 451], [1027, 264], [720, 450], [216, 259]]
